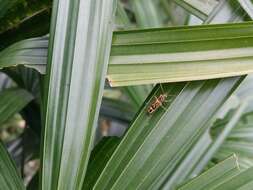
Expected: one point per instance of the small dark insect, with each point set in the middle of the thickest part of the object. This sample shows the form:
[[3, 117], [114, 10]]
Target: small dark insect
[[158, 102]]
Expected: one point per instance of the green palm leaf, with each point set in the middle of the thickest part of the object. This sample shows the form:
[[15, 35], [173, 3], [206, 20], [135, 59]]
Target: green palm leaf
[[242, 181], [225, 175], [74, 85], [212, 178], [247, 6], [238, 141], [146, 13], [164, 137], [160, 150], [98, 159], [219, 140], [180, 54], [199, 8], [9, 177], [12, 101], [215, 50], [31, 53]]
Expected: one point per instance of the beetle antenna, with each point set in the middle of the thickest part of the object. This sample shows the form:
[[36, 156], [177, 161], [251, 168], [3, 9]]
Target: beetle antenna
[[162, 88]]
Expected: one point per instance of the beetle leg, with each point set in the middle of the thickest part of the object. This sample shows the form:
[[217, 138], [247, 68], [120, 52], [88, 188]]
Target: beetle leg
[[164, 108], [162, 88]]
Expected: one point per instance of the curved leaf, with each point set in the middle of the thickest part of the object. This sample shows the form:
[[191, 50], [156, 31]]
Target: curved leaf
[[9, 176], [213, 177], [199, 8], [31, 53], [219, 140], [146, 13], [98, 159], [242, 181], [164, 137], [226, 11], [185, 169], [247, 6], [238, 141], [13, 101]]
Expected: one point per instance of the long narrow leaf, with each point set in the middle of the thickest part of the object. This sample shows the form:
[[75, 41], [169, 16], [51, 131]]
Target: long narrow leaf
[[164, 137], [220, 139], [117, 110], [243, 181], [122, 19], [226, 11], [220, 173], [199, 8], [9, 176], [146, 13], [98, 159], [31, 53], [142, 10], [239, 141], [247, 6], [180, 54], [13, 101], [79, 49], [192, 159]]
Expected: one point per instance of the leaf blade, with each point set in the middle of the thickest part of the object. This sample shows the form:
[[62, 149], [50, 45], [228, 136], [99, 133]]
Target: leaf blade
[[211, 178], [150, 140], [9, 177], [78, 60], [13, 101], [182, 53]]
